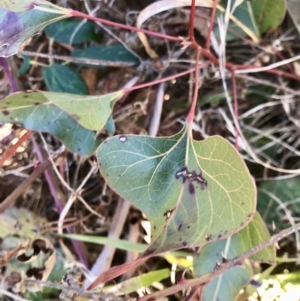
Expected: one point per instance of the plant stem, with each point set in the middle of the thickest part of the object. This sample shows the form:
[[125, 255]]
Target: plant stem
[[211, 24], [191, 114], [192, 22], [164, 79], [12, 149]]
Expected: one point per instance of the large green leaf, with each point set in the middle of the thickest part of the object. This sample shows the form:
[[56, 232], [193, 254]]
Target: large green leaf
[[61, 78], [228, 285], [71, 31], [16, 28], [192, 192], [268, 13], [71, 118]]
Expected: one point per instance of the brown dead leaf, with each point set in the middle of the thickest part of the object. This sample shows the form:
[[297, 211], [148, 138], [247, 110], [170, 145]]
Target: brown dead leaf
[[90, 76], [44, 247], [6, 256], [28, 252]]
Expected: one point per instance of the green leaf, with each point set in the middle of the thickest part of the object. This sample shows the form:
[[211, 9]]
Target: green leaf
[[16, 28], [109, 54], [228, 285], [268, 14], [69, 117], [254, 234], [61, 78], [110, 126], [19, 5], [192, 192], [25, 65], [92, 112], [71, 31], [244, 14]]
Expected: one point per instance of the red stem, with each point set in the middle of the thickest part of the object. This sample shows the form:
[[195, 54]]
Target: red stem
[[12, 149], [231, 66], [211, 25], [191, 114], [192, 22], [161, 80]]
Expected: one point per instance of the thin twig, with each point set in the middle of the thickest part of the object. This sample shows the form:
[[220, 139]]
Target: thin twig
[[74, 195]]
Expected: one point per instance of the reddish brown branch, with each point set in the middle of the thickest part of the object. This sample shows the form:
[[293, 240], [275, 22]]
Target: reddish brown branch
[[191, 115], [192, 22], [13, 148], [211, 25]]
